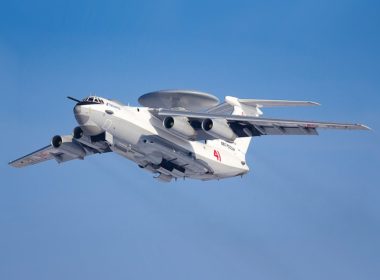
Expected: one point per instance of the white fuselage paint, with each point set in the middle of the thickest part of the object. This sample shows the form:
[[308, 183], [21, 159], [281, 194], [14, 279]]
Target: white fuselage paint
[[129, 126]]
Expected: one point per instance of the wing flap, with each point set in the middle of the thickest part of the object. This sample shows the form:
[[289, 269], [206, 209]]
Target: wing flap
[[281, 130]]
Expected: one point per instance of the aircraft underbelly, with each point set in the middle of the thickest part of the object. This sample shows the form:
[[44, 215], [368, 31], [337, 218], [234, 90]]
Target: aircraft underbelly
[[154, 153], [160, 152]]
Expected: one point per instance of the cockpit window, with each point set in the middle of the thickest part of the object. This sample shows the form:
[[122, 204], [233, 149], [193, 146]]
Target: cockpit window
[[93, 100]]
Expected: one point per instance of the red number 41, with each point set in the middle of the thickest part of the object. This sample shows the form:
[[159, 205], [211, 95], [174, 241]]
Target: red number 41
[[217, 155]]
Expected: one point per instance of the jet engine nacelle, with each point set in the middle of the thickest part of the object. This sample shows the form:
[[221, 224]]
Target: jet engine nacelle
[[66, 145], [179, 126], [218, 128], [78, 132]]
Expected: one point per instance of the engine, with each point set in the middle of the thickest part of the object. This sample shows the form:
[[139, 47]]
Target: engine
[[66, 145], [179, 126], [78, 132], [219, 128]]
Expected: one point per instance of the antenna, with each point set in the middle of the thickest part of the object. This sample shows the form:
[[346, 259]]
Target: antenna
[[73, 99]]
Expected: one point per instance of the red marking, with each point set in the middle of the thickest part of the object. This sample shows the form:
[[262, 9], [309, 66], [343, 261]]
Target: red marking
[[217, 155]]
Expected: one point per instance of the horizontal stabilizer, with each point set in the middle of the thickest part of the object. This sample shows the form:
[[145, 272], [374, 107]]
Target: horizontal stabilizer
[[270, 103]]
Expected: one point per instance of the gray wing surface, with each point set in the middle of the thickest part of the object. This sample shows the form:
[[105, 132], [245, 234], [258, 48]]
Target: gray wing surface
[[245, 126], [68, 151], [38, 156]]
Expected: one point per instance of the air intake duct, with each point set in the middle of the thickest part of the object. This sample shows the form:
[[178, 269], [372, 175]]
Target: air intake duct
[[219, 128], [179, 126], [66, 145]]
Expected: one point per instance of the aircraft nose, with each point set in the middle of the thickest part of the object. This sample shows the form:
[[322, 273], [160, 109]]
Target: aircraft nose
[[77, 109], [81, 114]]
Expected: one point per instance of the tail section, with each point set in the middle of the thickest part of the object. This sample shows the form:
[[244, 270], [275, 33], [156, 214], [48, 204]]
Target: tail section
[[252, 107], [242, 143]]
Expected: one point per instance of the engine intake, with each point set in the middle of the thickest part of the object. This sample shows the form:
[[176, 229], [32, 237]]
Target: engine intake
[[179, 126], [218, 128], [66, 145], [78, 132], [56, 141]]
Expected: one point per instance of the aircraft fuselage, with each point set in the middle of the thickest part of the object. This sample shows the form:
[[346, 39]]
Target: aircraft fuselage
[[136, 134]]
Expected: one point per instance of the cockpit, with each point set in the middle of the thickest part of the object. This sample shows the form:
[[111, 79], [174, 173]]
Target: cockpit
[[93, 100]]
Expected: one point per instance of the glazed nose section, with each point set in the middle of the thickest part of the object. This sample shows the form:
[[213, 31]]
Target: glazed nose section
[[82, 115]]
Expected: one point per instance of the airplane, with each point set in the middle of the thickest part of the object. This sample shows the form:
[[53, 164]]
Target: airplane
[[175, 133]]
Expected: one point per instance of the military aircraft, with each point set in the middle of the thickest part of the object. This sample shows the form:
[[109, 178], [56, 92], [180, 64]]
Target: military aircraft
[[175, 133]]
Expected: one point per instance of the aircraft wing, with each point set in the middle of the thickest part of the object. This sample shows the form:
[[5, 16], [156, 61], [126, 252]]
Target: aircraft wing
[[69, 149], [246, 126], [38, 156]]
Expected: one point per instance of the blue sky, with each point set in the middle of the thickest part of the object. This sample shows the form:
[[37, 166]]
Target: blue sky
[[308, 210]]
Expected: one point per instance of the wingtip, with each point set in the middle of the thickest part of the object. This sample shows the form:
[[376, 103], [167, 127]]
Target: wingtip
[[313, 103], [12, 163], [364, 127]]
